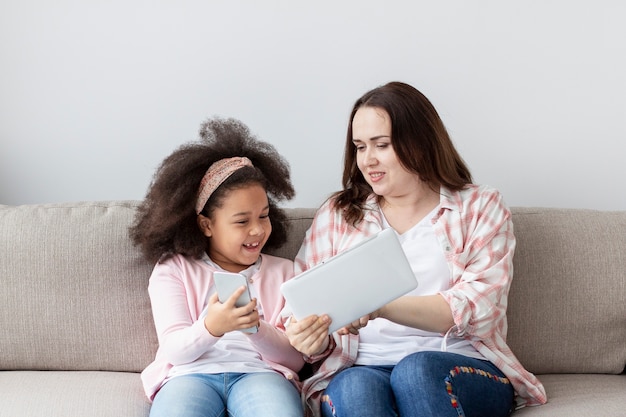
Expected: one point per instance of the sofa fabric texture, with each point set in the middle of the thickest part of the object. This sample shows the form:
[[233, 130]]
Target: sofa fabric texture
[[77, 326]]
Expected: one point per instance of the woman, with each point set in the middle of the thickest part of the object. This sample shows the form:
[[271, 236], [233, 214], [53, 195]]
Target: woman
[[440, 350]]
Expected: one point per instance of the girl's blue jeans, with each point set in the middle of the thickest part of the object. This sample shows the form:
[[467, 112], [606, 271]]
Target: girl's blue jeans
[[259, 394], [438, 384]]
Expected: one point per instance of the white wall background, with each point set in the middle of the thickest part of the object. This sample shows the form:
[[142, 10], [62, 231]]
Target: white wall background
[[94, 94]]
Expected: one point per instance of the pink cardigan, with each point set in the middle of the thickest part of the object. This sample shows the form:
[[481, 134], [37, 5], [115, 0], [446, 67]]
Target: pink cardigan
[[186, 283]]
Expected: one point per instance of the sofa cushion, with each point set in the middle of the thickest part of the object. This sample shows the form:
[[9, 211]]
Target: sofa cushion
[[63, 394], [567, 304], [580, 395], [74, 289]]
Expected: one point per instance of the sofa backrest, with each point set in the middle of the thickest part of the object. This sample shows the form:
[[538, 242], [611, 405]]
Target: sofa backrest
[[567, 305], [74, 289], [74, 296]]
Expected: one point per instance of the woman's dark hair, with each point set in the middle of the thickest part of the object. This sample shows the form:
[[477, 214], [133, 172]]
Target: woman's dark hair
[[419, 139], [166, 222]]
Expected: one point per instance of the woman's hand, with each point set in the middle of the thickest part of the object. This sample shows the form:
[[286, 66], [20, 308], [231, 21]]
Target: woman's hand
[[225, 317], [356, 325], [310, 335]]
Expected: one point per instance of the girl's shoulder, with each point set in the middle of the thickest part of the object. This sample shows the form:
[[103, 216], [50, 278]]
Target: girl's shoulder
[[181, 262], [280, 269], [271, 261]]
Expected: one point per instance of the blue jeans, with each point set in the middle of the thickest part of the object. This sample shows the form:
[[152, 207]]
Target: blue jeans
[[257, 394], [422, 384]]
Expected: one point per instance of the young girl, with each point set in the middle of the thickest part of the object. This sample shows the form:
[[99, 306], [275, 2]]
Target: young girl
[[211, 208]]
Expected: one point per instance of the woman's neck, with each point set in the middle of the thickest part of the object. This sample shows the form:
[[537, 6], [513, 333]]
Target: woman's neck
[[406, 211]]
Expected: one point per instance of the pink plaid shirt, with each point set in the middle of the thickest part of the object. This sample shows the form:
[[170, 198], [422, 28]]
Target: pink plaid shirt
[[475, 231]]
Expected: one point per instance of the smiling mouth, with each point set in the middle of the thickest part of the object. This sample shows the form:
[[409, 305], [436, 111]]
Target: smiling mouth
[[251, 245]]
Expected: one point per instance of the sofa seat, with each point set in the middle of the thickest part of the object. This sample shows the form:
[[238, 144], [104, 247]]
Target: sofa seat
[[72, 393], [580, 395]]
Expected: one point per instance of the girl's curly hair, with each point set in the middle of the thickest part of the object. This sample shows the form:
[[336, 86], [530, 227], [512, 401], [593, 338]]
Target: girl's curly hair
[[166, 222]]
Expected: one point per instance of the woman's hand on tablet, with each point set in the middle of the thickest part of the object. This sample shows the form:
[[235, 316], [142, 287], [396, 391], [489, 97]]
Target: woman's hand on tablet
[[310, 335], [356, 325]]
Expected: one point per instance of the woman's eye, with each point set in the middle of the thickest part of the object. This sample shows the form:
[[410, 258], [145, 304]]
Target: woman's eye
[[382, 145]]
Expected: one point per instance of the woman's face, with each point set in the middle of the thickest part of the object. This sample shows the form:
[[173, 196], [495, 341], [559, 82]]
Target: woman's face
[[375, 156], [239, 229]]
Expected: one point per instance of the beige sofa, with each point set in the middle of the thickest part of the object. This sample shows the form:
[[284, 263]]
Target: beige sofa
[[77, 328]]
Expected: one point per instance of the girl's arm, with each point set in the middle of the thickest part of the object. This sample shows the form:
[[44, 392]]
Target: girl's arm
[[182, 337]]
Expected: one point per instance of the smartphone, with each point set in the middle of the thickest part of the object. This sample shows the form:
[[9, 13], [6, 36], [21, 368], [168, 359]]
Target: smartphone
[[226, 283]]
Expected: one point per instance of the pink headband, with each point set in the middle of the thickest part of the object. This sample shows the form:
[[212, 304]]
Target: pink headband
[[216, 175]]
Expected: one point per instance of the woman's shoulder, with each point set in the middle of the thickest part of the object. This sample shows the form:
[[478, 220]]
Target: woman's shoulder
[[479, 189], [489, 196], [327, 213], [483, 203], [328, 205], [331, 210], [473, 195], [331, 203]]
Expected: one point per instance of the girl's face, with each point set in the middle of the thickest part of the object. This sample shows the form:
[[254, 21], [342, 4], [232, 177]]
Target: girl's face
[[375, 156], [239, 229]]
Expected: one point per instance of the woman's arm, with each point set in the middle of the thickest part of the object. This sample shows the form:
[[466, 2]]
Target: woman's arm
[[430, 313], [482, 264], [426, 312]]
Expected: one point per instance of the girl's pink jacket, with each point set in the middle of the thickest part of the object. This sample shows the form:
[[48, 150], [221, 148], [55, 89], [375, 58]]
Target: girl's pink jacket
[[179, 289]]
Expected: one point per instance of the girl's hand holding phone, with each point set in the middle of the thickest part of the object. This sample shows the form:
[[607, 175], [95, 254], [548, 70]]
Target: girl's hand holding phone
[[226, 317]]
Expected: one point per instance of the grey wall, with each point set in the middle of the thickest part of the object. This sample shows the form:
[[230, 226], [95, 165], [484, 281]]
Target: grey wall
[[94, 94]]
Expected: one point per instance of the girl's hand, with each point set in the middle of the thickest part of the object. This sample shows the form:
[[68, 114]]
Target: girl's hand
[[225, 317], [310, 335]]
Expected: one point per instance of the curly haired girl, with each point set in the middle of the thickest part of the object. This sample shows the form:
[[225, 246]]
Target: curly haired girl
[[212, 206]]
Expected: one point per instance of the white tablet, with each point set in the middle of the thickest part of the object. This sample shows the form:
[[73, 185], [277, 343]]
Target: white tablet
[[353, 283]]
